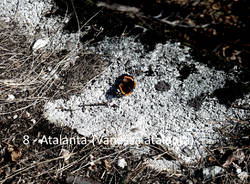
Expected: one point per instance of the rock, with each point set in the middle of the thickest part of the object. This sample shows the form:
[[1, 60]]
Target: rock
[[162, 86], [15, 116], [211, 172], [10, 97], [171, 166], [33, 121], [165, 117], [122, 163], [243, 175], [40, 43]]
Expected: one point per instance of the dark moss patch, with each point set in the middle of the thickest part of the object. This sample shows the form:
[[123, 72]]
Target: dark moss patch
[[150, 71], [162, 86], [230, 92], [150, 38], [185, 70], [217, 31], [197, 101]]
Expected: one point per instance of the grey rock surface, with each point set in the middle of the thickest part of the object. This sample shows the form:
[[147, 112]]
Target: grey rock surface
[[148, 115]]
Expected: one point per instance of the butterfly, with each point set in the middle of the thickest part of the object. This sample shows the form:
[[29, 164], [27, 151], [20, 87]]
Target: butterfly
[[127, 85]]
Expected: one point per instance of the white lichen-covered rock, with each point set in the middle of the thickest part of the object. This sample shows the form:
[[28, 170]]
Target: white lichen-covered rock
[[243, 175], [40, 43], [211, 172], [122, 163], [152, 114], [11, 97], [171, 167]]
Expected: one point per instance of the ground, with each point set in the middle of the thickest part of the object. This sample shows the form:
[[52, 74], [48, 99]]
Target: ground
[[217, 33]]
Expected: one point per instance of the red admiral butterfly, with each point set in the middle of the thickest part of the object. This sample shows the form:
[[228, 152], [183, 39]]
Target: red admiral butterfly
[[127, 84]]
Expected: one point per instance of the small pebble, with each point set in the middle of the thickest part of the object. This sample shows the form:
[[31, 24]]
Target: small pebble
[[122, 163], [27, 114], [40, 43], [10, 97], [15, 116], [162, 86], [33, 121]]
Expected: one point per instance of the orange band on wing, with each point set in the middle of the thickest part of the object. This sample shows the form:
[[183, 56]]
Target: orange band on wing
[[126, 94], [128, 77]]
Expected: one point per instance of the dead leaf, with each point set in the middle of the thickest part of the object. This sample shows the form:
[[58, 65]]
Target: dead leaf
[[216, 6], [16, 155], [224, 50], [107, 165], [10, 148], [92, 166], [66, 155], [211, 160]]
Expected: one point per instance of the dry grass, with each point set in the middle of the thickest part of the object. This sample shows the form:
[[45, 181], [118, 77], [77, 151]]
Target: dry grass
[[28, 77], [23, 72]]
